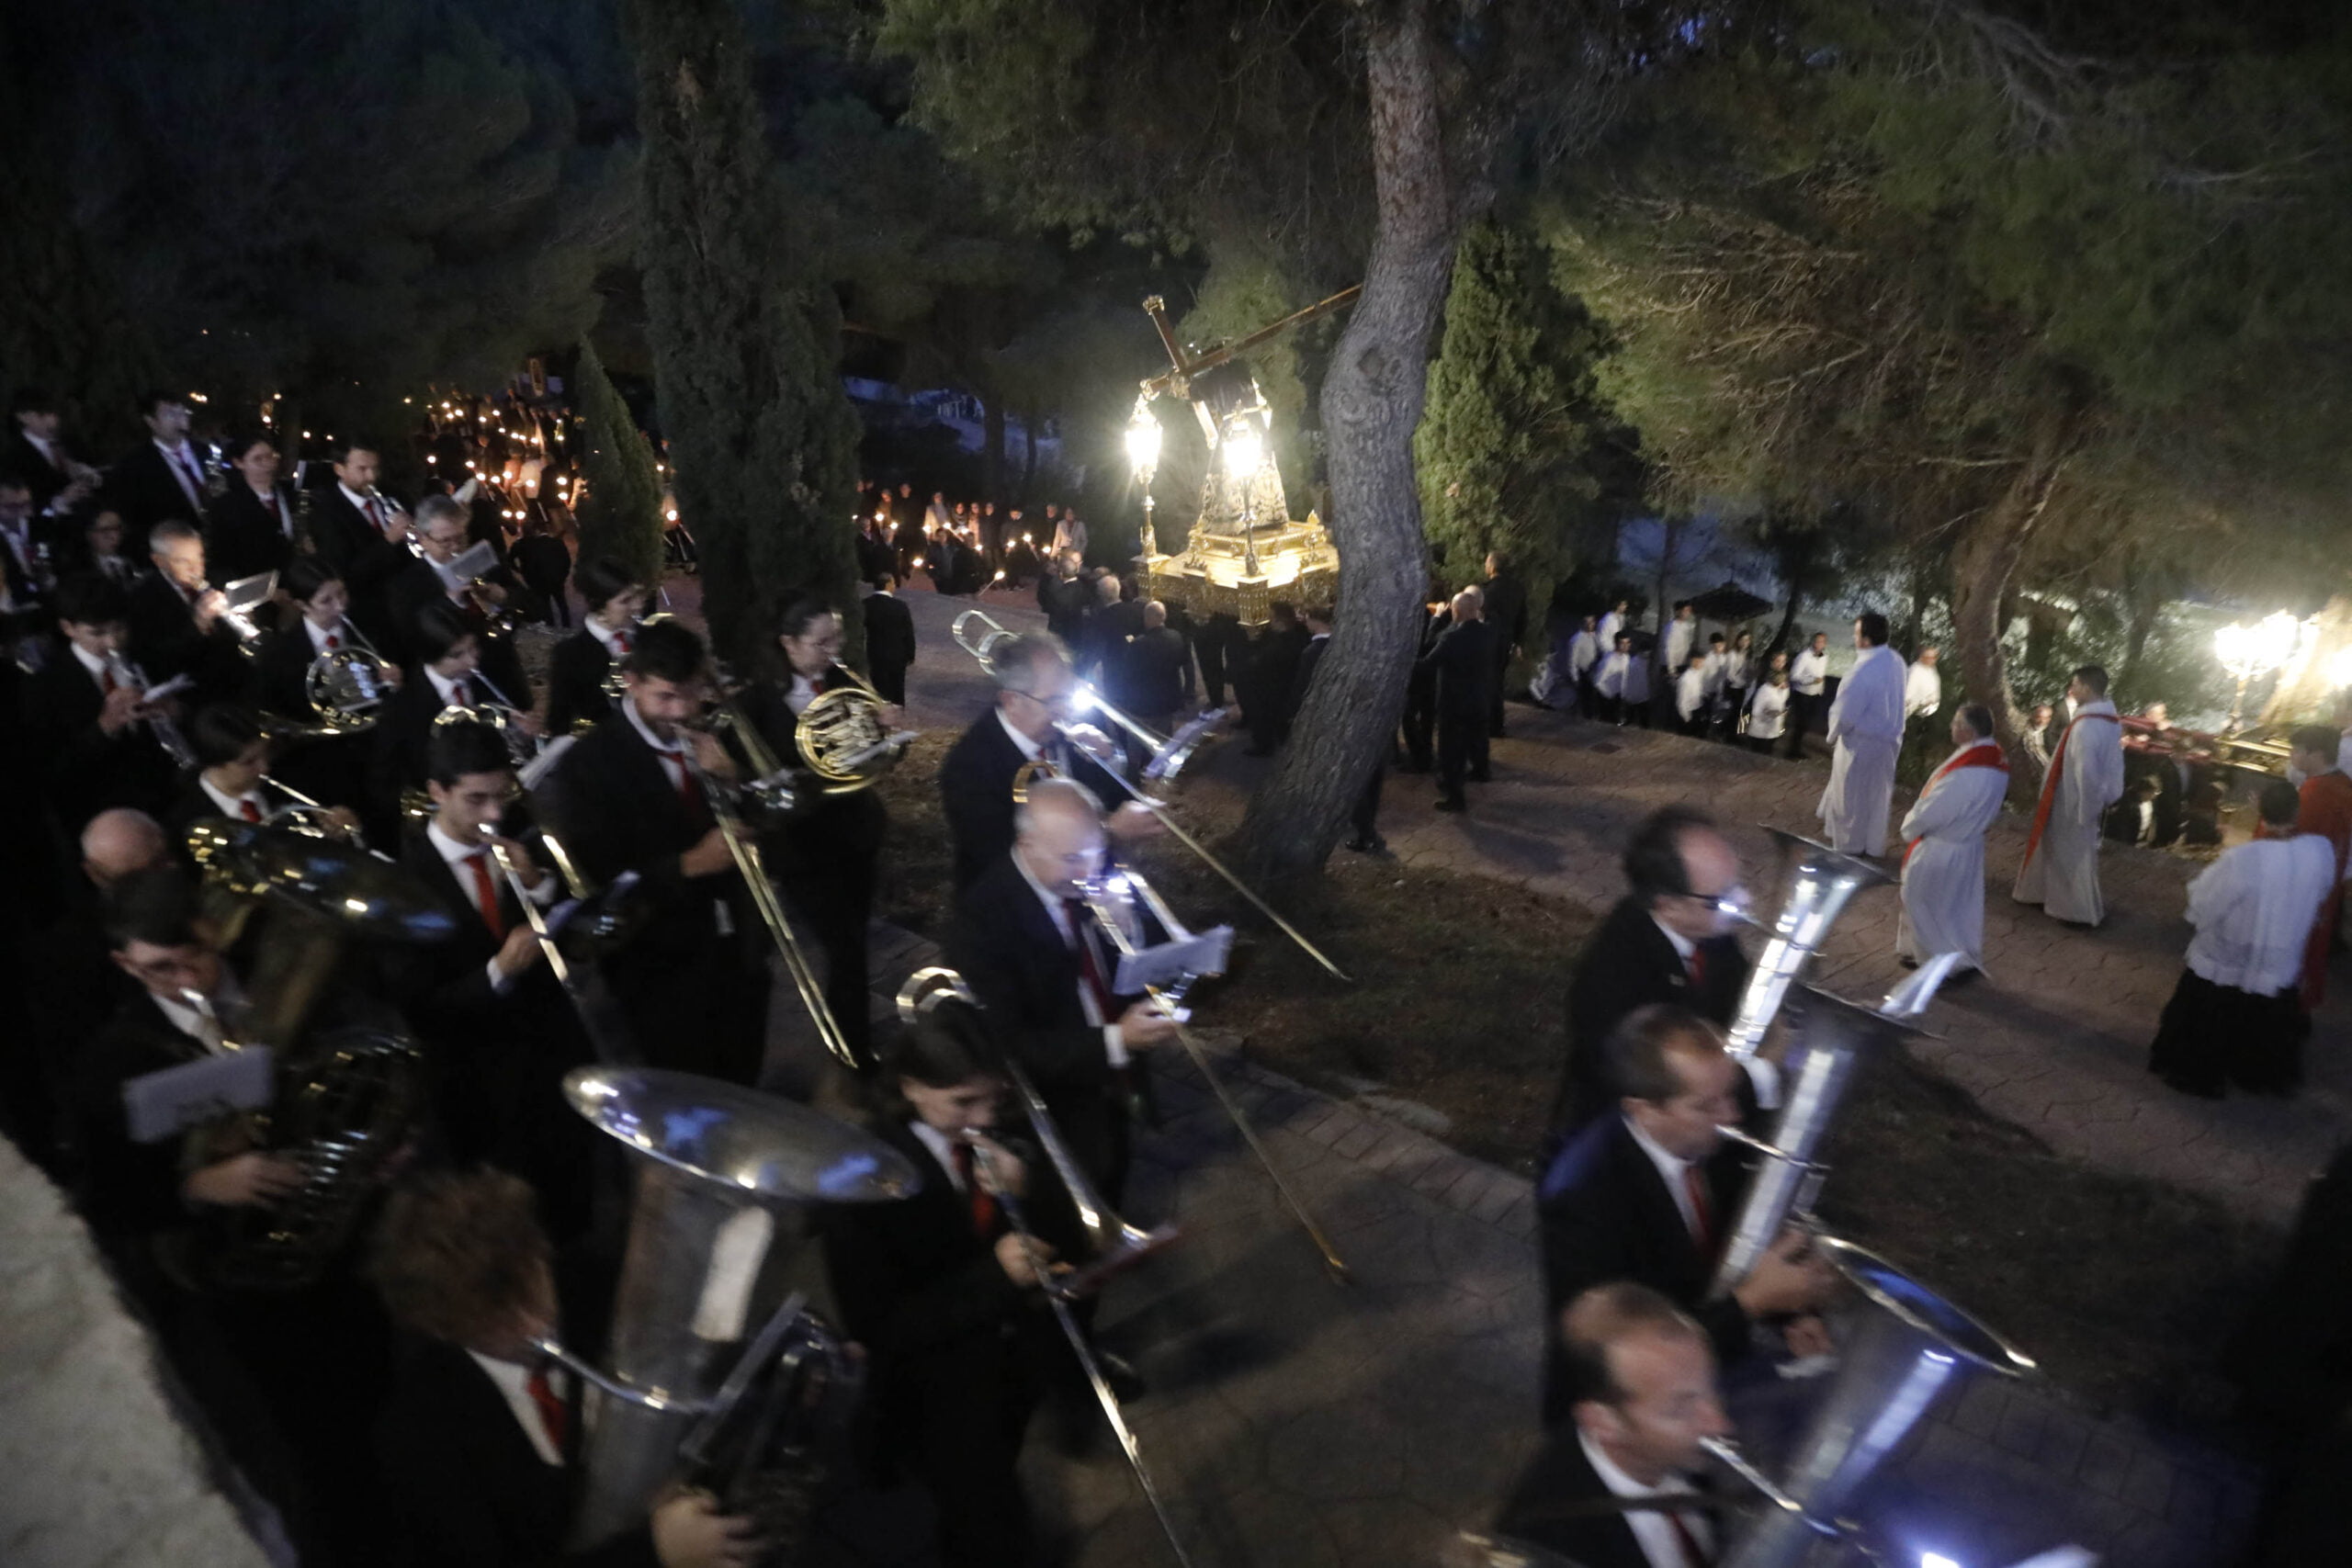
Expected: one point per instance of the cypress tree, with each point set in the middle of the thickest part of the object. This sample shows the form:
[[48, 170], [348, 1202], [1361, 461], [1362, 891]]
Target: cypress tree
[[622, 517], [762, 444]]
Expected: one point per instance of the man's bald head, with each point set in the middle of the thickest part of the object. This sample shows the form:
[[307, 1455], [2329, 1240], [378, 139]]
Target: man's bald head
[[1470, 604], [119, 843], [1058, 835], [1155, 615]]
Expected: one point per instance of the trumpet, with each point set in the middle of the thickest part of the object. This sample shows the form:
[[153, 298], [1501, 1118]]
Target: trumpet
[[744, 848], [161, 725], [1117, 1244], [1168, 755], [236, 620], [1106, 899]]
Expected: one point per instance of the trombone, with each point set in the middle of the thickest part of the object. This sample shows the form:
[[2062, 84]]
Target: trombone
[[1167, 756], [606, 1031], [1118, 1244], [1104, 897], [745, 848]]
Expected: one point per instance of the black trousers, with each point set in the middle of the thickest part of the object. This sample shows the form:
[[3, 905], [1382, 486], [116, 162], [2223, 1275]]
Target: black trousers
[[1365, 818], [1495, 702], [1420, 723], [890, 679], [1461, 749]]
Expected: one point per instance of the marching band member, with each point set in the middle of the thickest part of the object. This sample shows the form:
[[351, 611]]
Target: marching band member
[[688, 982], [827, 851], [1024, 938], [1035, 678], [477, 1440], [1639, 1377], [498, 1020], [447, 675], [1943, 856], [162, 478], [250, 529], [364, 537], [336, 767], [232, 754], [1649, 1194], [87, 714], [576, 672], [440, 524], [179, 625], [940, 1291]]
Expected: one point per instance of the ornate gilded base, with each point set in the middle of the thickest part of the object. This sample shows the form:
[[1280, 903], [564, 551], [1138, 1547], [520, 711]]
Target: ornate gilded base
[[1295, 562]]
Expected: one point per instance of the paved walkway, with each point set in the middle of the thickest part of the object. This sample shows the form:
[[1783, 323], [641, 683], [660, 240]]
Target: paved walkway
[[1294, 1421]]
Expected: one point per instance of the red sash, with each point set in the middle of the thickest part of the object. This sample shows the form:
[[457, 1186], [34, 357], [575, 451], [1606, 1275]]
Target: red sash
[[2049, 784], [1980, 754]]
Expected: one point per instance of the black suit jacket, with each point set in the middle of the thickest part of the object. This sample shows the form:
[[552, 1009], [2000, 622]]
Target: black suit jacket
[[88, 771], [363, 558], [417, 585], [1627, 964], [1542, 1509], [141, 487], [576, 672], [471, 1490], [164, 642], [1463, 660], [1151, 673], [976, 787], [278, 680], [1506, 611], [1606, 1214], [128, 1191], [26, 461], [889, 635], [403, 739], [1008, 949], [243, 538]]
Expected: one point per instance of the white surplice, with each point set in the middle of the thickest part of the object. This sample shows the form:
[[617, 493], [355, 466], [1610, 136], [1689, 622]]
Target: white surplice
[[2061, 869], [1943, 868], [1865, 733]]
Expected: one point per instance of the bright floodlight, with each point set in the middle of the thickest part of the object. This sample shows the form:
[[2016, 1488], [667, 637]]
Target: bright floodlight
[[1142, 441], [2251, 652], [1936, 1560], [2340, 669], [1245, 449]]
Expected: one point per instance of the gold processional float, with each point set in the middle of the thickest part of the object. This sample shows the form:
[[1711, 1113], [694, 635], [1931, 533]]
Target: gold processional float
[[1244, 550]]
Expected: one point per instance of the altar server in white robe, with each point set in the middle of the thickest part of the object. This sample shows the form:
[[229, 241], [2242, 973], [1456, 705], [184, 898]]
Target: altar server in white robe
[[1943, 854], [1865, 734], [2085, 777]]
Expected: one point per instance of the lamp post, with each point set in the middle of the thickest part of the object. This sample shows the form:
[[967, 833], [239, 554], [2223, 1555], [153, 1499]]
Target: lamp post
[[2248, 653], [1244, 451], [1143, 454]]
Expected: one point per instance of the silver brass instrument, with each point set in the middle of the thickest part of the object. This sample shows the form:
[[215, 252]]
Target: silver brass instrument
[[346, 688], [925, 989], [347, 1100], [303, 814], [1909, 1351], [1822, 883], [1106, 896], [1167, 756], [744, 847], [599, 1016], [708, 1373], [160, 725], [236, 620], [1828, 1043]]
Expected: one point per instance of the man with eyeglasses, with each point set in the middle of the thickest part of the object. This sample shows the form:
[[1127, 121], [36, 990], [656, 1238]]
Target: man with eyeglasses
[[1037, 693]]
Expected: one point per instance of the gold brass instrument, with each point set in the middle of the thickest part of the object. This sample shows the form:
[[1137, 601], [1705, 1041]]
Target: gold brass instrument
[[345, 1100], [1108, 899], [522, 746], [1828, 1043], [1819, 886], [744, 847], [927, 989], [983, 646], [842, 737], [709, 1376], [599, 1017], [302, 814], [346, 688]]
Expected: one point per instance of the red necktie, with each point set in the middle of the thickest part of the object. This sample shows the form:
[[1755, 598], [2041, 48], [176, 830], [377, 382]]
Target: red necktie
[[552, 1414], [1703, 1218], [688, 796], [1090, 969], [253, 812], [1697, 965], [486, 895], [1687, 1541], [460, 696], [620, 641], [376, 514], [983, 1205], [106, 682], [333, 642]]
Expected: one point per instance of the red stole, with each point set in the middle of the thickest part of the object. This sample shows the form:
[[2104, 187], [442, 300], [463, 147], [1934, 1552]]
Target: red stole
[[1978, 754], [2049, 784]]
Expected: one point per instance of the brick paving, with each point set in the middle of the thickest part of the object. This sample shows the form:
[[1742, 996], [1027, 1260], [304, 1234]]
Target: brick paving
[[1294, 1421]]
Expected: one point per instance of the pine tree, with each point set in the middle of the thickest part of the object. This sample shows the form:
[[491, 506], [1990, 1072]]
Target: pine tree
[[1513, 416], [622, 517], [762, 444]]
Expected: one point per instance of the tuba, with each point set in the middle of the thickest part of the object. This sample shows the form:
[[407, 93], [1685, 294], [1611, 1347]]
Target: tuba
[[712, 1379], [346, 1100], [1823, 882], [1832, 1040]]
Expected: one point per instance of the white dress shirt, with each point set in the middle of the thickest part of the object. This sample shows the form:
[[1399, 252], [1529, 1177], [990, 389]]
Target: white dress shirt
[[228, 998], [1807, 673], [1115, 1044], [445, 687], [340, 631], [941, 1148], [232, 805], [1653, 1531], [513, 1382]]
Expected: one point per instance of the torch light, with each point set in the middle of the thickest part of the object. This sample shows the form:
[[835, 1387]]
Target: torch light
[[2248, 653], [1143, 455]]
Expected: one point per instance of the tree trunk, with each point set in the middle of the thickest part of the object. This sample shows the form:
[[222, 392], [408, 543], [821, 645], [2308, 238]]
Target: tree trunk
[[1673, 527], [1370, 405], [1983, 562]]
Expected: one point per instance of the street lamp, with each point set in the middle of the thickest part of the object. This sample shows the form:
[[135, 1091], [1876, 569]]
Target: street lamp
[[1143, 455], [2248, 653], [1244, 451]]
